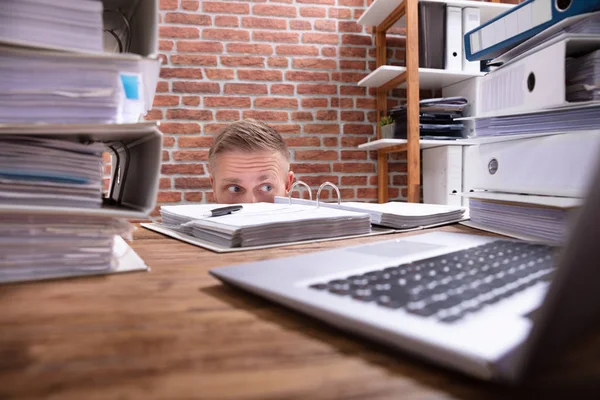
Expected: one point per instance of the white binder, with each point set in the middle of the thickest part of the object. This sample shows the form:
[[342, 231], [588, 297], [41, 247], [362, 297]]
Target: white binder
[[453, 60], [535, 81], [442, 175], [554, 165], [470, 21]]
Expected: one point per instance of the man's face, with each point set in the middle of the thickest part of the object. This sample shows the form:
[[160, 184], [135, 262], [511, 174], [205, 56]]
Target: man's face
[[250, 177]]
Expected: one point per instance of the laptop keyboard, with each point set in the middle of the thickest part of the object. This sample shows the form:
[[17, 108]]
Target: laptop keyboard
[[452, 285]]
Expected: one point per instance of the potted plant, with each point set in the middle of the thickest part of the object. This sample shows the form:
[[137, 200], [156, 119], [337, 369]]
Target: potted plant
[[387, 127]]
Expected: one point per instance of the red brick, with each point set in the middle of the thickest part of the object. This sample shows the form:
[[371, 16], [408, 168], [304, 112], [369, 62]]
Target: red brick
[[330, 141], [266, 115], [275, 102], [306, 76], [192, 183], [302, 116], [168, 197], [277, 62], [276, 37], [196, 46], [351, 3], [165, 45], [370, 104], [314, 63], [352, 91], [359, 40], [354, 155], [165, 183], [323, 2], [354, 167], [154, 115], [322, 128], [318, 155], [188, 19], [245, 88], [357, 52], [247, 48], [190, 155], [300, 25], [366, 193], [185, 113], [210, 197], [259, 75], [323, 25], [400, 180], [306, 88], [193, 196], [329, 52], [353, 141], [316, 102], [179, 32], [358, 129], [354, 180], [327, 115], [282, 89], [310, 168], [165, 155], [161, 100], [340, 13], [227, 20], [226, 34], [243, 61], [342, 102], [195, 59], [347, 193], [264, 23], [352, 64], [274, 10], [392, 41], [397, 167], [219, 73], [187, 73], [313, 12], [225, 7], [168, 4], [228, 115], [222, 101], [353, 77], [195, 87], [320, 38], [210, 129], [194, 141], [352, 116], [296, 50], [303, 142], [179, 127], [286, 129], [190, 5], [318, 180], [191, 100], [349, 26]]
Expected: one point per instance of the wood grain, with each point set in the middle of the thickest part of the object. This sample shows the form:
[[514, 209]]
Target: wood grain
[[177, 333], [412, 101]]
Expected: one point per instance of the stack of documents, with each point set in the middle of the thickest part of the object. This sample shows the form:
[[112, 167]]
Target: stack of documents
[[42, 171], [57, 24], [436, 118], [583, 77], [261, 224]]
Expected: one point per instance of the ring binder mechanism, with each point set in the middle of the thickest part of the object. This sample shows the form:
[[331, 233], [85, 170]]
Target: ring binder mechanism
[[337, 191], [296, 184]]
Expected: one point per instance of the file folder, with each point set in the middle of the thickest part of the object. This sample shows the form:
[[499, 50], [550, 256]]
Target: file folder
[[470, 21], [442, 175], [453, 59], [519, 24]]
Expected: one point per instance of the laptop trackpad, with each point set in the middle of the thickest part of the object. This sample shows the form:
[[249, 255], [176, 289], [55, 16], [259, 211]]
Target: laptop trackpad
[[395, 249]]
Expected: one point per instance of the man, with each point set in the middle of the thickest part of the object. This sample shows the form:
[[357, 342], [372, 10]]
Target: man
[[249, 162]]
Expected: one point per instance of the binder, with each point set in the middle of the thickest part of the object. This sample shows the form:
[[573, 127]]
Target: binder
[[431, 45], [519, 24], [470, 21], [137, 155], [534, 81], [442, 175], [554, 165], [453, 58]]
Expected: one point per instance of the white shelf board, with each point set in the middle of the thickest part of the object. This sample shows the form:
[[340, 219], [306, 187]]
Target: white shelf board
[[429, 78], [380, 9]]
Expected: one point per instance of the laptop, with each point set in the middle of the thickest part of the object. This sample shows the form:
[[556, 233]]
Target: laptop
[[486, 306]]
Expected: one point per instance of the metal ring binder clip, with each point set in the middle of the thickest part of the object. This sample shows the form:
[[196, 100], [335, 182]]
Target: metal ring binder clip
[[337, 191], [294, 185]]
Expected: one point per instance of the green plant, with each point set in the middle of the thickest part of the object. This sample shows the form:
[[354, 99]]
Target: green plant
[[387, 120]]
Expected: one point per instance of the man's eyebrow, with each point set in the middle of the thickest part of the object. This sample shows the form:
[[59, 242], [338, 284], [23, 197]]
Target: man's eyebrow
[[232, 180], [265, 177]]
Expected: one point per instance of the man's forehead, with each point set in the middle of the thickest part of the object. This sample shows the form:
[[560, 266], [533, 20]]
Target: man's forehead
[[265, 163]]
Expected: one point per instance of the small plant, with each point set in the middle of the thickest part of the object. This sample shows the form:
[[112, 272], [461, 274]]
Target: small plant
[[387, 120]]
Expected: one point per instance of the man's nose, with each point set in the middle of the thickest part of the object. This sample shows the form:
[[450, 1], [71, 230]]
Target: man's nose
[[250, 197]]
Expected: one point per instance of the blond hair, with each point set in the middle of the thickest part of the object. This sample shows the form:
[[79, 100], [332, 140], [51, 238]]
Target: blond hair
[[247, 135]]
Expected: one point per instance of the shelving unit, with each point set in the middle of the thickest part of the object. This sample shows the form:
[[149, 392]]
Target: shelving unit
[[383, 15]]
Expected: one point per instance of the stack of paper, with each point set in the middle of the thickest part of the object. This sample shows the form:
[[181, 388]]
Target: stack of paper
[[583, 77], [57, 24], [43, 171], [263, 224], [436, 118]]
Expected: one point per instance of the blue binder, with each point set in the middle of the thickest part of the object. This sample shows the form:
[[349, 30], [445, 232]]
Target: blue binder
[[519, 24]]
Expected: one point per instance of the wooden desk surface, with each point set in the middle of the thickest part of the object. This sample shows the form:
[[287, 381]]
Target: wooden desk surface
[[176, 332]]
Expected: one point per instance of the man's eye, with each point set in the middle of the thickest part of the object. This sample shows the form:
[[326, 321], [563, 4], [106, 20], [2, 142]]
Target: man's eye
[[234, 189], [266, 187]]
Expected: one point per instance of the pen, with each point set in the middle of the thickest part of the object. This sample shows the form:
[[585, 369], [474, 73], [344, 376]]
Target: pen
[[217, 212]]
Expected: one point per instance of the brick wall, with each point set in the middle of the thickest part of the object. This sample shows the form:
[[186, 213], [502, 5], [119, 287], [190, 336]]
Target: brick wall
[[291, 63]]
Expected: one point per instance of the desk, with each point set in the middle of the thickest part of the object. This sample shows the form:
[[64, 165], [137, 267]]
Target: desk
[[176, 332]]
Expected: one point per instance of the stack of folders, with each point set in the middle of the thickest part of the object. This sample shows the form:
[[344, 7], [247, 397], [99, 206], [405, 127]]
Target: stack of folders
[[436, 118], [583, 77]]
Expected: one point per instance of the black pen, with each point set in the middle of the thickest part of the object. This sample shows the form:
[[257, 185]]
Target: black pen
[[217, 212]]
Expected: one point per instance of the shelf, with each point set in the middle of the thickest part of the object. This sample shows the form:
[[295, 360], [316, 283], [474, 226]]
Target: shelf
[[380, 9], [428, 78]]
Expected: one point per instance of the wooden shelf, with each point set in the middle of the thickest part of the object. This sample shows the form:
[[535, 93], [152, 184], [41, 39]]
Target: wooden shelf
[[428, 78], [380, 9]]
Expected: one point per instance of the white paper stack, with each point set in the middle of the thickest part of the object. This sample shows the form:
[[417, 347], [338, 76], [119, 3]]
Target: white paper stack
[[56, 24], [583, 77], [263, 224]]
